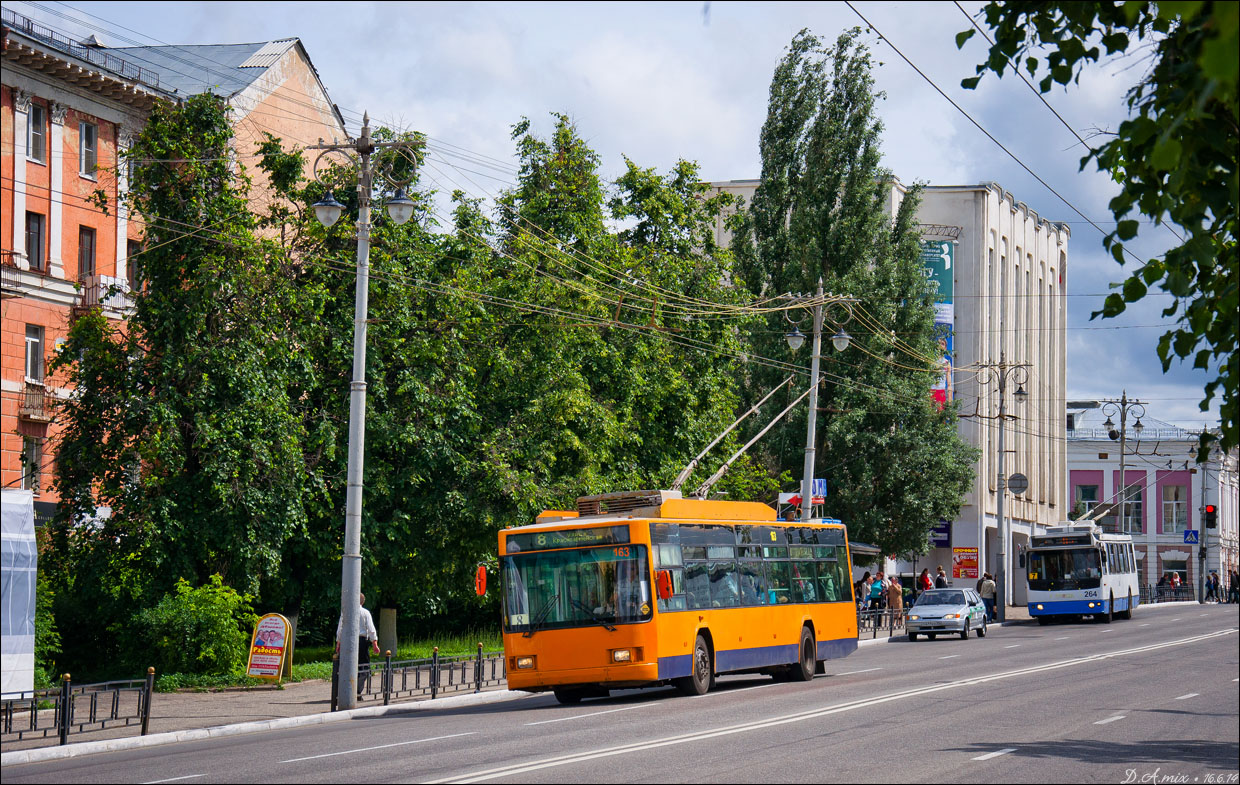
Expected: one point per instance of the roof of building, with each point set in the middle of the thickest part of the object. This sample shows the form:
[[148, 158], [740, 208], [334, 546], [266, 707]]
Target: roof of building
[[223, 69], [1088, 421]]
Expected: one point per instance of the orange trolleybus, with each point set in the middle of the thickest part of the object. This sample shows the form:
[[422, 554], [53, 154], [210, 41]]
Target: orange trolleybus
[[644, 588]]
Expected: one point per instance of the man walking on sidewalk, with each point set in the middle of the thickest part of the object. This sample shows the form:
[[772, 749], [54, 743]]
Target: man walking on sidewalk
[[367, 640]]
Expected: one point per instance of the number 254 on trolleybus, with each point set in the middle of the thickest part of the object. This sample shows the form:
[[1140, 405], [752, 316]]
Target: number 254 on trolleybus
[[644, 588], [1080, 570]]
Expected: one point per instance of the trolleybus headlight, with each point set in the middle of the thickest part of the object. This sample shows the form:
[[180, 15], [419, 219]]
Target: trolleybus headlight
[[525, 662], [621, 655], [1091, 605], [1039, 606]]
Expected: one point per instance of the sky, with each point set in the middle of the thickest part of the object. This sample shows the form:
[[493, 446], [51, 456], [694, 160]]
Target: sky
[[659, 82]]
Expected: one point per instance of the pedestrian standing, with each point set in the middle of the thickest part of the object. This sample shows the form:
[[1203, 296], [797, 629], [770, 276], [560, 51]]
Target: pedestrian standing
[[940, 580], [895, 598], [367, 639], [988, 595], [924, 581]]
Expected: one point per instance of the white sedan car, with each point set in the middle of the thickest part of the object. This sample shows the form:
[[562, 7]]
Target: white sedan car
[[955, 611]]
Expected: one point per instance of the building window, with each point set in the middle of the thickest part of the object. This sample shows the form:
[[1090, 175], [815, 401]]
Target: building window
[[36, 134], [34, 241], [133, 258], [1178, 566], [1132, 518], [86, 251], [34, 353], [32, 463], [1086, 500], [1174, 508], [88, 149]]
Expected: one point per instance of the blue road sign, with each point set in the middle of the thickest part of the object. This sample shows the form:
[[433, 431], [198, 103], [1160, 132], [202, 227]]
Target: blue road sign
[[1190, 536]]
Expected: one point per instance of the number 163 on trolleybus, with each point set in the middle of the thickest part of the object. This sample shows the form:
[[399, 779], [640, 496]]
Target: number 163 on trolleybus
[[644, 588], [1080, 570]]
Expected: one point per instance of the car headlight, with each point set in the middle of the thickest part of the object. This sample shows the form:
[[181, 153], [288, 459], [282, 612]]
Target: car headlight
[[525, 662], [951, 615], [913, 617]]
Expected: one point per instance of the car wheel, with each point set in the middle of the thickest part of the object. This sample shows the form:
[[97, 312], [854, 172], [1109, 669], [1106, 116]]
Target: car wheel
[[932, 635], [804, 670], [912, 636], [698, 683], [964, 634], [567, 696], [981, 631]]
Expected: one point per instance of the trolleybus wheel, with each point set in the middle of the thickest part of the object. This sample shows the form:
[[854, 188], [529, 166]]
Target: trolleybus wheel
[[698, 683], [1107, 617], [1127, 612], [1044, 620], [567, 696], [804, 670]]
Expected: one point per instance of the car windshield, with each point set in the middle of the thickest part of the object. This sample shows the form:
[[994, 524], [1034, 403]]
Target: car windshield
[[941, 598], [576, 588]]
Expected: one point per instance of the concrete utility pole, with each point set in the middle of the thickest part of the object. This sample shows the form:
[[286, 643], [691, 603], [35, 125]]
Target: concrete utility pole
[[999, 374], [1122, 407], [840, 341], [328, 211]]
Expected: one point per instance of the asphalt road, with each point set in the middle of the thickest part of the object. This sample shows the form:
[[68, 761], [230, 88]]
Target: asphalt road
[[1154, 699]]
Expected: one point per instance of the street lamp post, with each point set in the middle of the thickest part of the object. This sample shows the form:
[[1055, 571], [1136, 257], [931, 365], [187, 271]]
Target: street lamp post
[[328, 211], [1122, 407], [840, 341], [999, 373]]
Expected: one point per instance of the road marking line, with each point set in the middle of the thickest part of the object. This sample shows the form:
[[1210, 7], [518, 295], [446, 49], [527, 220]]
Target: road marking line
[[518, 769], [1064, 638], [1203, 614], [948, 657], [1146, 624], [591, 714], [1143, 625], [990, 755], [1110, 719], [175, 779], [849, 673], [380, 747], [1176, 619], [1189, 695], [1013, 646]]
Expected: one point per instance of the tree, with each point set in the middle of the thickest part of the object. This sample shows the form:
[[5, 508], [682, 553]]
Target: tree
[[893, 461], [182, 422], [1174, 157]]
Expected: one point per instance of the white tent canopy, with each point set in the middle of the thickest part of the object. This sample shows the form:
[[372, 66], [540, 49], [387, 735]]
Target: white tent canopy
[[18, 578]]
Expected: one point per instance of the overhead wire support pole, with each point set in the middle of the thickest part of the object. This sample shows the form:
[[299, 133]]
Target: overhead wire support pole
[[328, 211]]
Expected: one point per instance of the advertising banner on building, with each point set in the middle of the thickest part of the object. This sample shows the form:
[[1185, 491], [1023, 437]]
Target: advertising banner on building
[[268, 647], [964, 563], [938, 264], [941, 534]]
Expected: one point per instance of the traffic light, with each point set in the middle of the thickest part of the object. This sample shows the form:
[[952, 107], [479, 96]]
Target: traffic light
[[1211, 516]]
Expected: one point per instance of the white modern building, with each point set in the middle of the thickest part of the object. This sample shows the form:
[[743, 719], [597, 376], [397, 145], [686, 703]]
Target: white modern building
[[1002, 270], [1163, 494]]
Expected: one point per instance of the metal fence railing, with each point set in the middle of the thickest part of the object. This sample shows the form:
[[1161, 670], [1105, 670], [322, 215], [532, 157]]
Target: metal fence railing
[[1151, 593], [874, 621], [385, 679], [79, 708]]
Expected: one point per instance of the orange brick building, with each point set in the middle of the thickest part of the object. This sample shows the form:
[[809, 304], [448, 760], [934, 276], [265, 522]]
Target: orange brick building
[[68, 109]]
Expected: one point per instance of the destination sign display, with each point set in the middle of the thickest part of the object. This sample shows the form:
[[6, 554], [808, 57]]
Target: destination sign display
[[1050, 541], [567, 538]]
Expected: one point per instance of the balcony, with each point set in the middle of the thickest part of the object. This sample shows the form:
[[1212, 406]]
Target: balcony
[[103, 291], [36, 404], [10, 276]]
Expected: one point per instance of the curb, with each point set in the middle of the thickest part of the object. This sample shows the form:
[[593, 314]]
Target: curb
[[43, 754]]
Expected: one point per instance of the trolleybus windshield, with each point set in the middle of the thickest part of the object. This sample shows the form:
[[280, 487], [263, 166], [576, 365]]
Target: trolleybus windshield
[[576, 588], [1063, 570]]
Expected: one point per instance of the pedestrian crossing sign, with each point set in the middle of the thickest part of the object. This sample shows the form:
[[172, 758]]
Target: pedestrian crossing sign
[[1190, 536]]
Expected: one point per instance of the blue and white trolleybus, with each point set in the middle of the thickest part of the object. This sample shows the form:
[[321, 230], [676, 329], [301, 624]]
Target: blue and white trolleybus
[[1080, 570]]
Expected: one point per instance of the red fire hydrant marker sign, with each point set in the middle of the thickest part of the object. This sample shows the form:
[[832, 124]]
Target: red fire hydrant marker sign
[[268, 647]]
